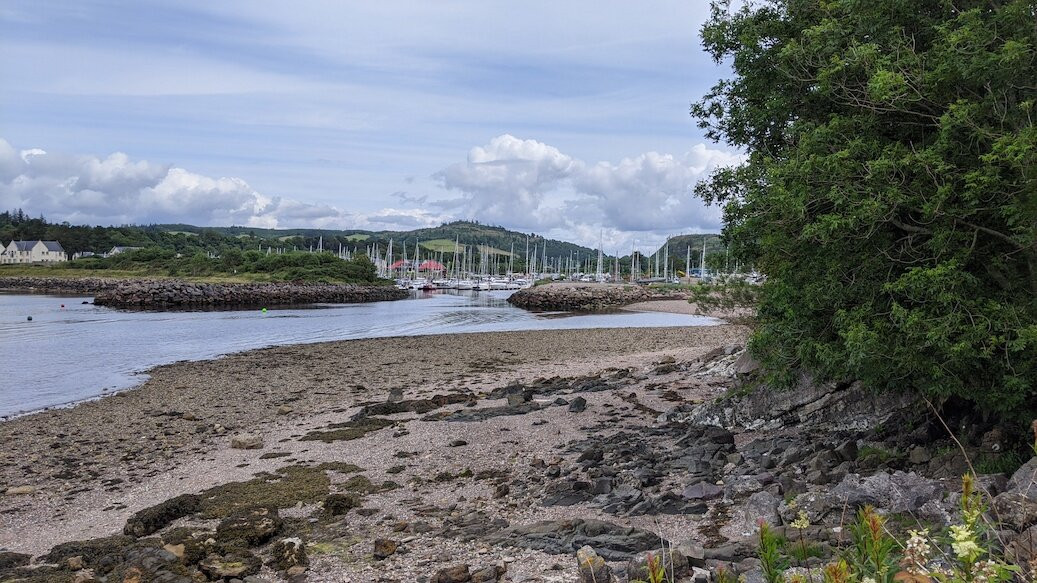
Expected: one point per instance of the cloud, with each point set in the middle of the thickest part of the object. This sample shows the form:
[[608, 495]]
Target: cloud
[[530, 184], [522, 184], [652, 191], [118, 190], [507, 179]]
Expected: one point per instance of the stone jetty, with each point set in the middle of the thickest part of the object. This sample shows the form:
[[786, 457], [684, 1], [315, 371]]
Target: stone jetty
[[66, 285], [577, 297], [162, 294]]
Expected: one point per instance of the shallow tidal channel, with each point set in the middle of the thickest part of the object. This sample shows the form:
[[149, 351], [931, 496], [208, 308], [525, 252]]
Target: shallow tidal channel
[[71, 351]]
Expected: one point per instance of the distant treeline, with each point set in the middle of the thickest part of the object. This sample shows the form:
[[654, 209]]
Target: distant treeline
[[291, 266], [190, 240]]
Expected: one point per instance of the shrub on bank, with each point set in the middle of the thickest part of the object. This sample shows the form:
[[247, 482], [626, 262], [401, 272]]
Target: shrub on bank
[[294, 266]]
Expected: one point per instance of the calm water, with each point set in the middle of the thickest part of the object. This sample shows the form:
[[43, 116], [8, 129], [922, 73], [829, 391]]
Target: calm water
[[76, 352]]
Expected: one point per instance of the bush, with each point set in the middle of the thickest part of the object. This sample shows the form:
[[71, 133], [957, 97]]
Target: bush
[[889, 190]]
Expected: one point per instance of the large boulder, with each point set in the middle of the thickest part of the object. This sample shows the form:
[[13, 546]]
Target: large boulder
[[894, 493]]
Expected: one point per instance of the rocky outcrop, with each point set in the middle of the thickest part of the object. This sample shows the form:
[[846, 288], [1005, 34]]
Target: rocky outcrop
[[611, 541], [160, 294], [835, 406], [64, 285], [577, 298], [172, 293]]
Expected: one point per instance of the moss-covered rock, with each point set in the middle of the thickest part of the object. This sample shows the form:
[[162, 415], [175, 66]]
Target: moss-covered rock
[[283, 489], [339, 504], [154, 518], [101, 554], [252, 527]]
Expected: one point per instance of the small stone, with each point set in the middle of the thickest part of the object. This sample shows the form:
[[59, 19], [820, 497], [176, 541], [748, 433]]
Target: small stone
[[84, 576], [295, 571], [75, 563], [384, 548], [458, 443], [488, 574], [284, 410], [20, 490], [455, 574], [847, 450], [919, 455], [702, 491], [287, 554], [246, 441], [176, 550], [338, 504], [694, 552], [592, 567], [672, 562], [578, 405]]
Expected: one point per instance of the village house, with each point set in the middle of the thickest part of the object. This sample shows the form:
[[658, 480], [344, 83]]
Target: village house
[[33, 252], [121, 249]]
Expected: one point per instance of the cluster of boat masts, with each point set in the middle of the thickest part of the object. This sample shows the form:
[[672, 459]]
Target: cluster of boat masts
[[477, 268]]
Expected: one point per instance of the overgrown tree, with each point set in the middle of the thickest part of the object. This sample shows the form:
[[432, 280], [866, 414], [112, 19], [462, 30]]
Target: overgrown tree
[[890, 189]]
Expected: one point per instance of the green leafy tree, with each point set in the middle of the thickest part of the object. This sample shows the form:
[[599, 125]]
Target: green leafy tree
[[890, 189]]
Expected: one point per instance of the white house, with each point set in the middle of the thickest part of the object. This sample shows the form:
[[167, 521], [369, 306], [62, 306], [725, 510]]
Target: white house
[[33, 252]]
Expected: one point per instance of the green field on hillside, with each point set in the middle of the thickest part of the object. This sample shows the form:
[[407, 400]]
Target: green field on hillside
[[447, 246]]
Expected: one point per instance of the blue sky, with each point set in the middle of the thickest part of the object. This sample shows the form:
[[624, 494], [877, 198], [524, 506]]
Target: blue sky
[[566, 118]]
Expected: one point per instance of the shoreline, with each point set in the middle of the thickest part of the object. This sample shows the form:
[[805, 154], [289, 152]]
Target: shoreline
[[140, 376], [125, 446]]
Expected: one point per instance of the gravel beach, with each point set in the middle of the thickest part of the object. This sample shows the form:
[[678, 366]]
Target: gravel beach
[[89, 468]]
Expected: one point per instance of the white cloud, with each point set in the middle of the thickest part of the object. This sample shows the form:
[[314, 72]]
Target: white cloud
[[521, 184], [118, 190], [531, 185], [508, 179]]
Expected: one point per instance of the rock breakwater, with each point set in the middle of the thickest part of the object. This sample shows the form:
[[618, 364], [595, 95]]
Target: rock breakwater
[[577, 297], [159, 294], [81, 285]]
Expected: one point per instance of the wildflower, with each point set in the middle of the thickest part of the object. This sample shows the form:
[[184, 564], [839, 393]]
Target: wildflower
[[964, 544], [802, 521], [916, 552], [868, 580], [985, 572]]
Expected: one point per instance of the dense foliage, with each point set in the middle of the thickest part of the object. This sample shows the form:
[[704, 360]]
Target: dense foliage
[[292, 266], [189, 239], [890, 191]]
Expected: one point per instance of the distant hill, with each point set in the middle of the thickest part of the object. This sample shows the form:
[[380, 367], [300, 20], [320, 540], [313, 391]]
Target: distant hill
[[678, 246], [490, 239]]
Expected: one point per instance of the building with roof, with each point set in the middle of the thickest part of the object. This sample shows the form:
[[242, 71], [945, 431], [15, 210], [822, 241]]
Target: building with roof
[[121, 249], [33, 252]]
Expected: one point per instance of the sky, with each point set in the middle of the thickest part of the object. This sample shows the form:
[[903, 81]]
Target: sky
[[568, 119]]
